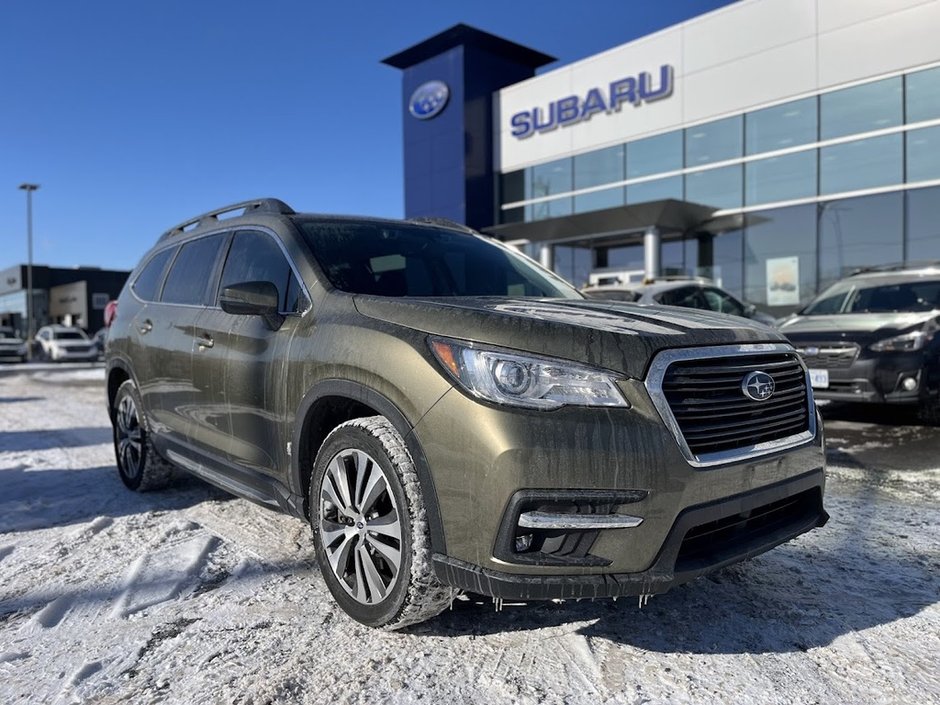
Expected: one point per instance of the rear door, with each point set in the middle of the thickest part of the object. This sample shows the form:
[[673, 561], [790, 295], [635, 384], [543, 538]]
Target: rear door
[[187, 290]]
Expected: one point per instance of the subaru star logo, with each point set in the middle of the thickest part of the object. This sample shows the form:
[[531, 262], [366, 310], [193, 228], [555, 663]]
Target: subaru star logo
[[758, 386], [428, 99]]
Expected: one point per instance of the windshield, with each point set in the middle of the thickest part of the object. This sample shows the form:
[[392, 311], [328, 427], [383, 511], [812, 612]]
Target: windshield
[[70, 335], [855, 297], [387, 259]]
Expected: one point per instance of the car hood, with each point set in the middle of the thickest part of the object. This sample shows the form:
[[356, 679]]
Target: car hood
[[617, 336], [844, 325]]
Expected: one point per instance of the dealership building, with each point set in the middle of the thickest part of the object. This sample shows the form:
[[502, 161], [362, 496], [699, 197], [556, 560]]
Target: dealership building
[[771, 145]]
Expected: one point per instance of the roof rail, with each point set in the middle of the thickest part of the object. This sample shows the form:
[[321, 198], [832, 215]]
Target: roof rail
[[257, 205], [896, 266], [444, 222]]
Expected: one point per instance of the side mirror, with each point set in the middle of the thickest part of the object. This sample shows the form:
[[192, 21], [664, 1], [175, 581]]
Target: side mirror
[[253, 299], [750, 310]]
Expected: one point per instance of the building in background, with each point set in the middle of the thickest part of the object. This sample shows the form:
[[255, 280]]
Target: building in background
[[772, 145], [74, 297]]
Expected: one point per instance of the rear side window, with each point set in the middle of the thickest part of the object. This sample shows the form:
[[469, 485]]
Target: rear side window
[[190, 277], [147, 282], [255, 257]]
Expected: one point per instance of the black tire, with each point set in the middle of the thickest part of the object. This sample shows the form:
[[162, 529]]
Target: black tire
[[139, 465], [366, 582]]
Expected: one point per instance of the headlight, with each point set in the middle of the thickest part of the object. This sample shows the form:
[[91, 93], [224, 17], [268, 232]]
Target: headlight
[[525, 380], [909, 342]]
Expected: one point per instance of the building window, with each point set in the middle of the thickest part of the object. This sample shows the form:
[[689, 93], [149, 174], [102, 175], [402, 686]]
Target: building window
[[719, 188], [654, 155], [547, 179], [604, 166], [859, 165], [871, 106], [781, 126], [598, 200], [727, 268], [923, 95], [858, 232], [923, 154], [627, 258], [714, 141], [780, 257], [574, 264], [780, 178], [923, 224], [657, 190]]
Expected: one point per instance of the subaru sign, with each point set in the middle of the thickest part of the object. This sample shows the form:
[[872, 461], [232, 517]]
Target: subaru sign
[[429, 99], [572, 109]]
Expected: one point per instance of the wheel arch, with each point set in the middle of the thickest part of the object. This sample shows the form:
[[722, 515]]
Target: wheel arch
[[332, 402]]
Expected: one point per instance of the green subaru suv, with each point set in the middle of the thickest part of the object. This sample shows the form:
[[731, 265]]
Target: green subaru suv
[[449, 416]]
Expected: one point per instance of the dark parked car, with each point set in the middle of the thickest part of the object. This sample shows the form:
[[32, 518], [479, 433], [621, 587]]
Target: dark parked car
[[449, 416], [872, 337], [689, 293]]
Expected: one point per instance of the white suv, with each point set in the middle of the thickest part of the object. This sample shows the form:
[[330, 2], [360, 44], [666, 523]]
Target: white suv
[[61, 343]]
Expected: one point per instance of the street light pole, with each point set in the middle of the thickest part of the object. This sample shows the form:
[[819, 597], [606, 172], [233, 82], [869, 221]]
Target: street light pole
[[29, 188]]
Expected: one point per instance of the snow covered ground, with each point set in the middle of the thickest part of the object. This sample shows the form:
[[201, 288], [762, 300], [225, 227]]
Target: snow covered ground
[[189, 596]]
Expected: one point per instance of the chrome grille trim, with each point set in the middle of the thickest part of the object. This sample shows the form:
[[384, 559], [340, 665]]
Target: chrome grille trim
[[654, 386]]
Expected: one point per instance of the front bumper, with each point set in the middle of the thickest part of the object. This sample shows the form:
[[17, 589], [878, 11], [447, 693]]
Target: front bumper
[[704, 538], [479, 466], [877, 379]]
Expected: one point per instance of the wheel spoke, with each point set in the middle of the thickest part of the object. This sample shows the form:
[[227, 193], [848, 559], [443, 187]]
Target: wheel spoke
[[391, 554], [374, 489], [339, 558], [361, 594], [329, 532], [387, 525], [364, 468], [340, 477], [377, 588], [328, 493]]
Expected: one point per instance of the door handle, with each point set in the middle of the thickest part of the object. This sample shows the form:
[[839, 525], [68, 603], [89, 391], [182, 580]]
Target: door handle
[[205, 341], [145, 327]]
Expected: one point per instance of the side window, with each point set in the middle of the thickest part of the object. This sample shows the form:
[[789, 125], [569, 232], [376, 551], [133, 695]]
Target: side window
[[255, 256], [147, 282], [190, 276], [687, 296], [722, 302]]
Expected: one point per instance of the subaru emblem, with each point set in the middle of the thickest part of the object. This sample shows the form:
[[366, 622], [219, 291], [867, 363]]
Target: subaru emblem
[[428, 99], [758, 386]]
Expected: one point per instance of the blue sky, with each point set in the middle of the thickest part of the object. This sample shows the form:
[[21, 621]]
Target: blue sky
[[133, 116]]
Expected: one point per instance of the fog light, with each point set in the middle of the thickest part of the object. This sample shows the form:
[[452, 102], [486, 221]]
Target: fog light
[[909, 384], [523, 543]]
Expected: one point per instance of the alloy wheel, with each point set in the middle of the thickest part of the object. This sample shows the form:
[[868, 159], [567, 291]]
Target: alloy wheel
[[360, 526], [128, 437]]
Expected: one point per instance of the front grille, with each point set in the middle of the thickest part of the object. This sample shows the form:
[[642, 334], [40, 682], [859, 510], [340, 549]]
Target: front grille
[[713, 413], [829, 356]]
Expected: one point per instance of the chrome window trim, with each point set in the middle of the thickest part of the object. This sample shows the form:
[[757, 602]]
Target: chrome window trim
[[654, 387], [227, 229]]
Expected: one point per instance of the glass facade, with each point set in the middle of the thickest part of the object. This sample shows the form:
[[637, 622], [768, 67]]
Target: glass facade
[[789, 173]]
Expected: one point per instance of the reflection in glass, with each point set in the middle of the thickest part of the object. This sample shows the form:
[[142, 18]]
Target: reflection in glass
[[863, 164], [776, 234], [923, 224], [719, 188], [923, 154], [923, 95], [658, 190], [780, 178], [858, 232], [598, 200], [781, 126], [728, 252], [714, 141], [604, 166], [654, 155], [871, 106], [574, 264], [546, 179]]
